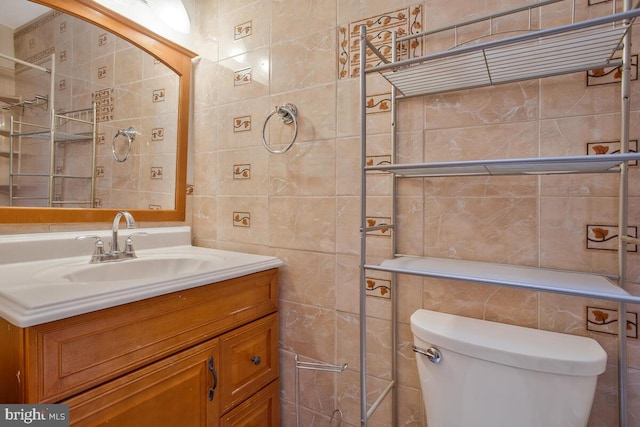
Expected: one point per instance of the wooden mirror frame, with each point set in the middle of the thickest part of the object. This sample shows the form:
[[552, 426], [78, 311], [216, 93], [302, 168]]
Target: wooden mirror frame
[[174, 56]]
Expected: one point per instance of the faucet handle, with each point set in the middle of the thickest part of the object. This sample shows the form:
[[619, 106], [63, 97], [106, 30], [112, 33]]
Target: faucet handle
[[128, 244], [98, 253]]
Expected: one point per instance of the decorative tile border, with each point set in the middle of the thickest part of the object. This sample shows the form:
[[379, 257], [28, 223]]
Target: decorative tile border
[[104, 104], [243, 30], [373, 221], [156, 172], [380, 288], [242, 124], [407, 20], [37, 24], [605, 237], [242, 219], [605, 320], [604, 76], [242, 77], [242, 171]]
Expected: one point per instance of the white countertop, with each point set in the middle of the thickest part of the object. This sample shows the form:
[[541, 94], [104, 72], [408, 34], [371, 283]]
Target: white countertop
[[35, 268]]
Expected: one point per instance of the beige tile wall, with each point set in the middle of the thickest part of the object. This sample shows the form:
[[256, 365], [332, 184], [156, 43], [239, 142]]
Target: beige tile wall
[[304, 205]]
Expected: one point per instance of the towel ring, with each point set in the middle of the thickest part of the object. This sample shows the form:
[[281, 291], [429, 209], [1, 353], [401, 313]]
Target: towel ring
[[130, 134], [287, 113]]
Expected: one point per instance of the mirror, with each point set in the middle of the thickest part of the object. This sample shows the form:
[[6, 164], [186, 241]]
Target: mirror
[[172, 59]]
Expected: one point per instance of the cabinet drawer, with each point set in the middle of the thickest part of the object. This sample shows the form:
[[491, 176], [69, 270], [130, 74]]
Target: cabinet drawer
[[261, 409], [68, 356], [172, 392], [248, 360]]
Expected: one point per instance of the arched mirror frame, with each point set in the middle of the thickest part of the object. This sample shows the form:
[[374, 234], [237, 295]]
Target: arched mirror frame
[[172, 55]]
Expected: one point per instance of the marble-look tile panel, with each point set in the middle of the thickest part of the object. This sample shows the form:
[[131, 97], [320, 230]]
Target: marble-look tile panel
[[493, 229], [302, 223], [304, 171]]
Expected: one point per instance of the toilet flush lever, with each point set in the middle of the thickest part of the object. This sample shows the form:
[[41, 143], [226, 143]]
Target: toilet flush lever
[[432, 353]]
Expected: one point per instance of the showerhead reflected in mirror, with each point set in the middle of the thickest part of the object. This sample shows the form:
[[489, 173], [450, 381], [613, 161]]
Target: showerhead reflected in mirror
[[89, 66]]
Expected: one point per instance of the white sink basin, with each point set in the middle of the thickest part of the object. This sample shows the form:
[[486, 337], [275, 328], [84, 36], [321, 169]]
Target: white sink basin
[[158, 267]]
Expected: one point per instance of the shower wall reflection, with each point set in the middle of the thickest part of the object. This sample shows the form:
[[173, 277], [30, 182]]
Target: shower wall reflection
[[128, 87]]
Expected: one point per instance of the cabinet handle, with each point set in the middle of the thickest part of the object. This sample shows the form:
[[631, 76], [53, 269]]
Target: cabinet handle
[[256, 360], [212, 368]]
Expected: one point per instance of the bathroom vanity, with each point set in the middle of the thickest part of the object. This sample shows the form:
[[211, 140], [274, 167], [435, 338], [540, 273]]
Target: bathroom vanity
[[202, 354]]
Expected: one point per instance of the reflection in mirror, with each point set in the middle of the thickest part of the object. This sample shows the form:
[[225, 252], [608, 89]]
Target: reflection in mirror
[[69, 91]]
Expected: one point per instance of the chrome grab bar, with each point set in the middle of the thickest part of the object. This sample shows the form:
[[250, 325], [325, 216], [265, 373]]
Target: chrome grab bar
[[432, 353]]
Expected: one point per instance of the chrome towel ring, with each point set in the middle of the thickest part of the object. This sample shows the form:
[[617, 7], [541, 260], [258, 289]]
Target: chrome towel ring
[[287, 113], [130, 134]]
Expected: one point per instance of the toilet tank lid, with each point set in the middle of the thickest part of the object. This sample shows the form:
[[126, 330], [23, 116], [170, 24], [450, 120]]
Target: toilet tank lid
[[516, 346]]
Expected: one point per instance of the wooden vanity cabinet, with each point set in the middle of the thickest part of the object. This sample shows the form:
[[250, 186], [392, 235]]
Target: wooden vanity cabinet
[[185, 358]]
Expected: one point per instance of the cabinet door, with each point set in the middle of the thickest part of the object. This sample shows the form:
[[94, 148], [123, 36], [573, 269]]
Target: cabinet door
[[248, 360], [180, 390], [261, 410]]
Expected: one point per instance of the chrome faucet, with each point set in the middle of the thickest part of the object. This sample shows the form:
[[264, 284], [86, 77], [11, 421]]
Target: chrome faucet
[[115, 254], [131, 223]]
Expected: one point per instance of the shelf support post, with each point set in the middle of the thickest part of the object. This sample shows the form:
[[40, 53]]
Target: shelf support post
[[363, 226], [623, 222]]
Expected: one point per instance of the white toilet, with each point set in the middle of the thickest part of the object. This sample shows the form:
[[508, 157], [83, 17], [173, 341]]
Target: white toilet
[[476, 373]]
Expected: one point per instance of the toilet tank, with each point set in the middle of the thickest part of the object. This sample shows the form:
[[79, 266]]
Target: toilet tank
[[493, 374]]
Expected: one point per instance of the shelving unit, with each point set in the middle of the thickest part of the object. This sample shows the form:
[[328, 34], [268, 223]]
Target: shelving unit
[[577, 47], [70, 127]]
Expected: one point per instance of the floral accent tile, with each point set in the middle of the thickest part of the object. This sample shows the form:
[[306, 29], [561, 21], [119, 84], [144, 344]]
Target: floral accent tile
[[62, 84], [189, 189], [242, 219], [243, 30], [374, 221], [157, 134], [378, 103], [611, 147], [99, 171], [605, 237], [97, 203], [404, 21], [102, 72], [103, 39], [242, 171], [242, 124], [63, 56], [378, 287], [100, 138], [603, 76], [156, 172], [63, 27], [605, 320], [155, 207], [158, 95], [378, 161], [242, 77]]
